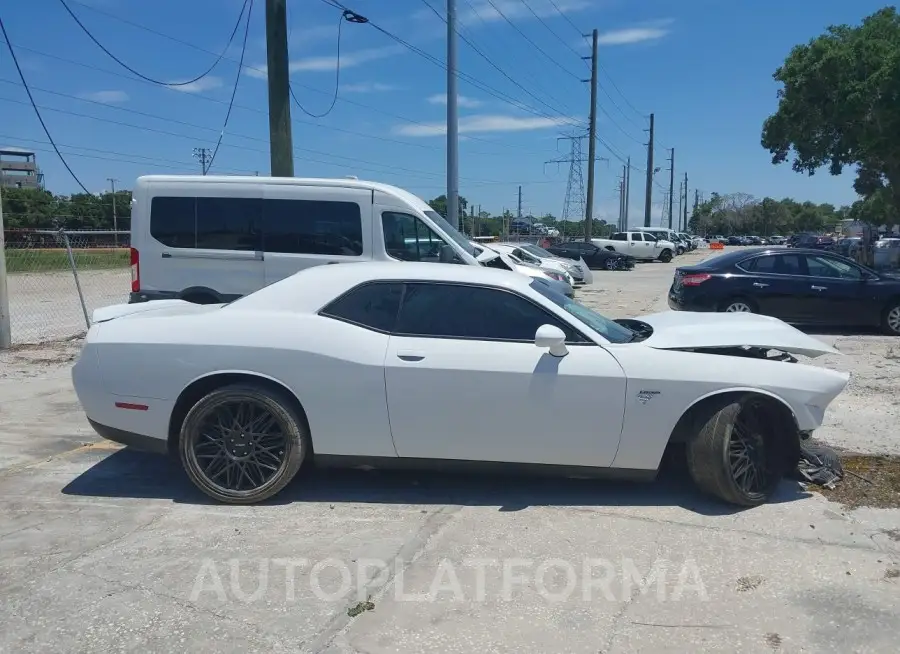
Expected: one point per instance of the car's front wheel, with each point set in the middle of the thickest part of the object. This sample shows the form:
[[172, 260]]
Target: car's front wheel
[[242, 443], [665, 256], [610, 263], [734, 453]]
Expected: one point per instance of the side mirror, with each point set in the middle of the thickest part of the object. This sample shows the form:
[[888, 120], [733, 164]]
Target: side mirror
[[552, 338]]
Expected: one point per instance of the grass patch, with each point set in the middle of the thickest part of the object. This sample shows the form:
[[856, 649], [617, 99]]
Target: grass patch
[[868, 481], [56, 259]]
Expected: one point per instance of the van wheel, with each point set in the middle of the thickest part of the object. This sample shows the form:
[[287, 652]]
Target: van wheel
[[201, 298]]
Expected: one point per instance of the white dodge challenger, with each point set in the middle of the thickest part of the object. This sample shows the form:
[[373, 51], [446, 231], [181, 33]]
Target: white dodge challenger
[[423, 364]]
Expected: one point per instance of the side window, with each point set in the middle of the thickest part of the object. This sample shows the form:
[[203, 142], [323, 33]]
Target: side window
[[313, 227], [621, 236], [373, 305], [650, 237], [759, 265], [409, 239], [229, 224], [829, 267], [173, 221], [637, 236], [788, 264], [472, 312]]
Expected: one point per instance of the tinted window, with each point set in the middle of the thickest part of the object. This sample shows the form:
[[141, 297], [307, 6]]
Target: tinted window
[[409, 239], [313, 227], [620, 237], [229, 223], [373, 305], [173, 221], [781, 264], [829, 267], [459, 311]]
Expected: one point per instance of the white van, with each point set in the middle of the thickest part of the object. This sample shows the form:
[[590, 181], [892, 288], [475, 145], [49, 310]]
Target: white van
[[665, 234], [210, 239]]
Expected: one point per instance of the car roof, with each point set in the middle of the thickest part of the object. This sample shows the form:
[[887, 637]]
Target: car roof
[[339, 182], [730, 258], [312, 288]]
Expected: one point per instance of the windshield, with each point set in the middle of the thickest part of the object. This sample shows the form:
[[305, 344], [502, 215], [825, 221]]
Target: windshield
[[535, 250], [611, 331], [451, 231]]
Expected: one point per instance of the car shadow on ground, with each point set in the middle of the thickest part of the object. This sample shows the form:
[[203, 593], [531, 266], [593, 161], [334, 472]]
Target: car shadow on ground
[[131, 474]]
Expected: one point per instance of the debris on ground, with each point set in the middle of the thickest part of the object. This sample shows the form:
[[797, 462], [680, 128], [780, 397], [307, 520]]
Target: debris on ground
[[820, 465], [869, 480], [361, 607]]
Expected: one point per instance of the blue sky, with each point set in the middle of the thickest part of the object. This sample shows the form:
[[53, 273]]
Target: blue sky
[[704, 67]]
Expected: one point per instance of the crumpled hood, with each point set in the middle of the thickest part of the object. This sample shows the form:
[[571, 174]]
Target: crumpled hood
[[677, 330]]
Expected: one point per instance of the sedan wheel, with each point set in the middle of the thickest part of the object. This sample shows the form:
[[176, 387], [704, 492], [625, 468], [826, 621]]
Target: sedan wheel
[[733, 455], [610, 264], [738, 306], [891, 320], [242, 444]]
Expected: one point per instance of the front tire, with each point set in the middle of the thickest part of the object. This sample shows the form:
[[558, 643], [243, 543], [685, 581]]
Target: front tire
[[242, 443], [610, 264], [733, 456], [890, 319], [665, 256]]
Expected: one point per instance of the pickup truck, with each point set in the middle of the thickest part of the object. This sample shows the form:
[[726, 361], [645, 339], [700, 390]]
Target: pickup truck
[[640, 245]]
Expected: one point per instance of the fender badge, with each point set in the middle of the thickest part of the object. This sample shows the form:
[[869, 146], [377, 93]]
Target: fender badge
[[646, 396]]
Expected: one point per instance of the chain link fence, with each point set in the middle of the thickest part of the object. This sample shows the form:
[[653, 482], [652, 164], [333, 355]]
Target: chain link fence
[[56, 278]]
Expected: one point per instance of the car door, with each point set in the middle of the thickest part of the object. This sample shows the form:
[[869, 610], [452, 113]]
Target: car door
[[838, 293], [775, 283], [465, 381], [642, 246]]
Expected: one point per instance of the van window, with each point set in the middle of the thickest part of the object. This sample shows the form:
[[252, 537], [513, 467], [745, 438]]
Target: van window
[[313, 227], [173, 221], [229, 224], [409, 239]]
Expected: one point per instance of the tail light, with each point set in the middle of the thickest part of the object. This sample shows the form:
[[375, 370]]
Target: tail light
[[694, 280], [135, 271]]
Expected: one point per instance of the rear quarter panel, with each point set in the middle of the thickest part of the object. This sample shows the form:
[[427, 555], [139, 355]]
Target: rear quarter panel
[[335, 369]]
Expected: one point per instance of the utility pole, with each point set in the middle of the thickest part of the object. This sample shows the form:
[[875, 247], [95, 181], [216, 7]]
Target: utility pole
[[681, 200], [203, 156], [592, 143], [112, 183], [624, 227], [672, 185], [281, 146], [622, 198], [648, 199], [685, 202], [519, 209], [5, 322], [452, 117]]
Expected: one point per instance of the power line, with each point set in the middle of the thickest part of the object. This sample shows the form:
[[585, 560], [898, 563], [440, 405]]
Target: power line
[[12, 53], [553, 32], [533, 44], [237, 81], [146, 77]]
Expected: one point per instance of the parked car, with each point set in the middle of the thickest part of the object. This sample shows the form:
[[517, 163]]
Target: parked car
[[243, 402], [798, 286], [814, 242], [578, 269], [210, 239], [735, 240], [596, 257], [665, 234], [491, 258], [547, 264], [640, 245]]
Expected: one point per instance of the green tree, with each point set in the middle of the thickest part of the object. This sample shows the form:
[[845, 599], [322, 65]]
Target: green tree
[[840, 105]]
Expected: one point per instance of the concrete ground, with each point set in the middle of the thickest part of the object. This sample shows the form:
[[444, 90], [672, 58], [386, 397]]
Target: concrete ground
[[103, 549]]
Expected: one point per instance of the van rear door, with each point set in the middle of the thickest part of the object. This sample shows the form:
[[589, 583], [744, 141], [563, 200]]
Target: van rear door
[[307, 226]]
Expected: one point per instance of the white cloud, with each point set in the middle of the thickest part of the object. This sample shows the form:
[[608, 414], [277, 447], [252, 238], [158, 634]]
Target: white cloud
[[461, 100], [638, 34], [108, 97], [482, 10], [327, 63], [207, 83], [368, 87], [482, 123]]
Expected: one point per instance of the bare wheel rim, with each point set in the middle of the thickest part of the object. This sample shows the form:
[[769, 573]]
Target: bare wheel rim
[[738, 307], [747, 453], [239, 447], [893, 319]]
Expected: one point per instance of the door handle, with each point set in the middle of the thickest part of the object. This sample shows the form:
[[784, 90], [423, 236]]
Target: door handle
[[407, 355], [819, 288], [759, 285]]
